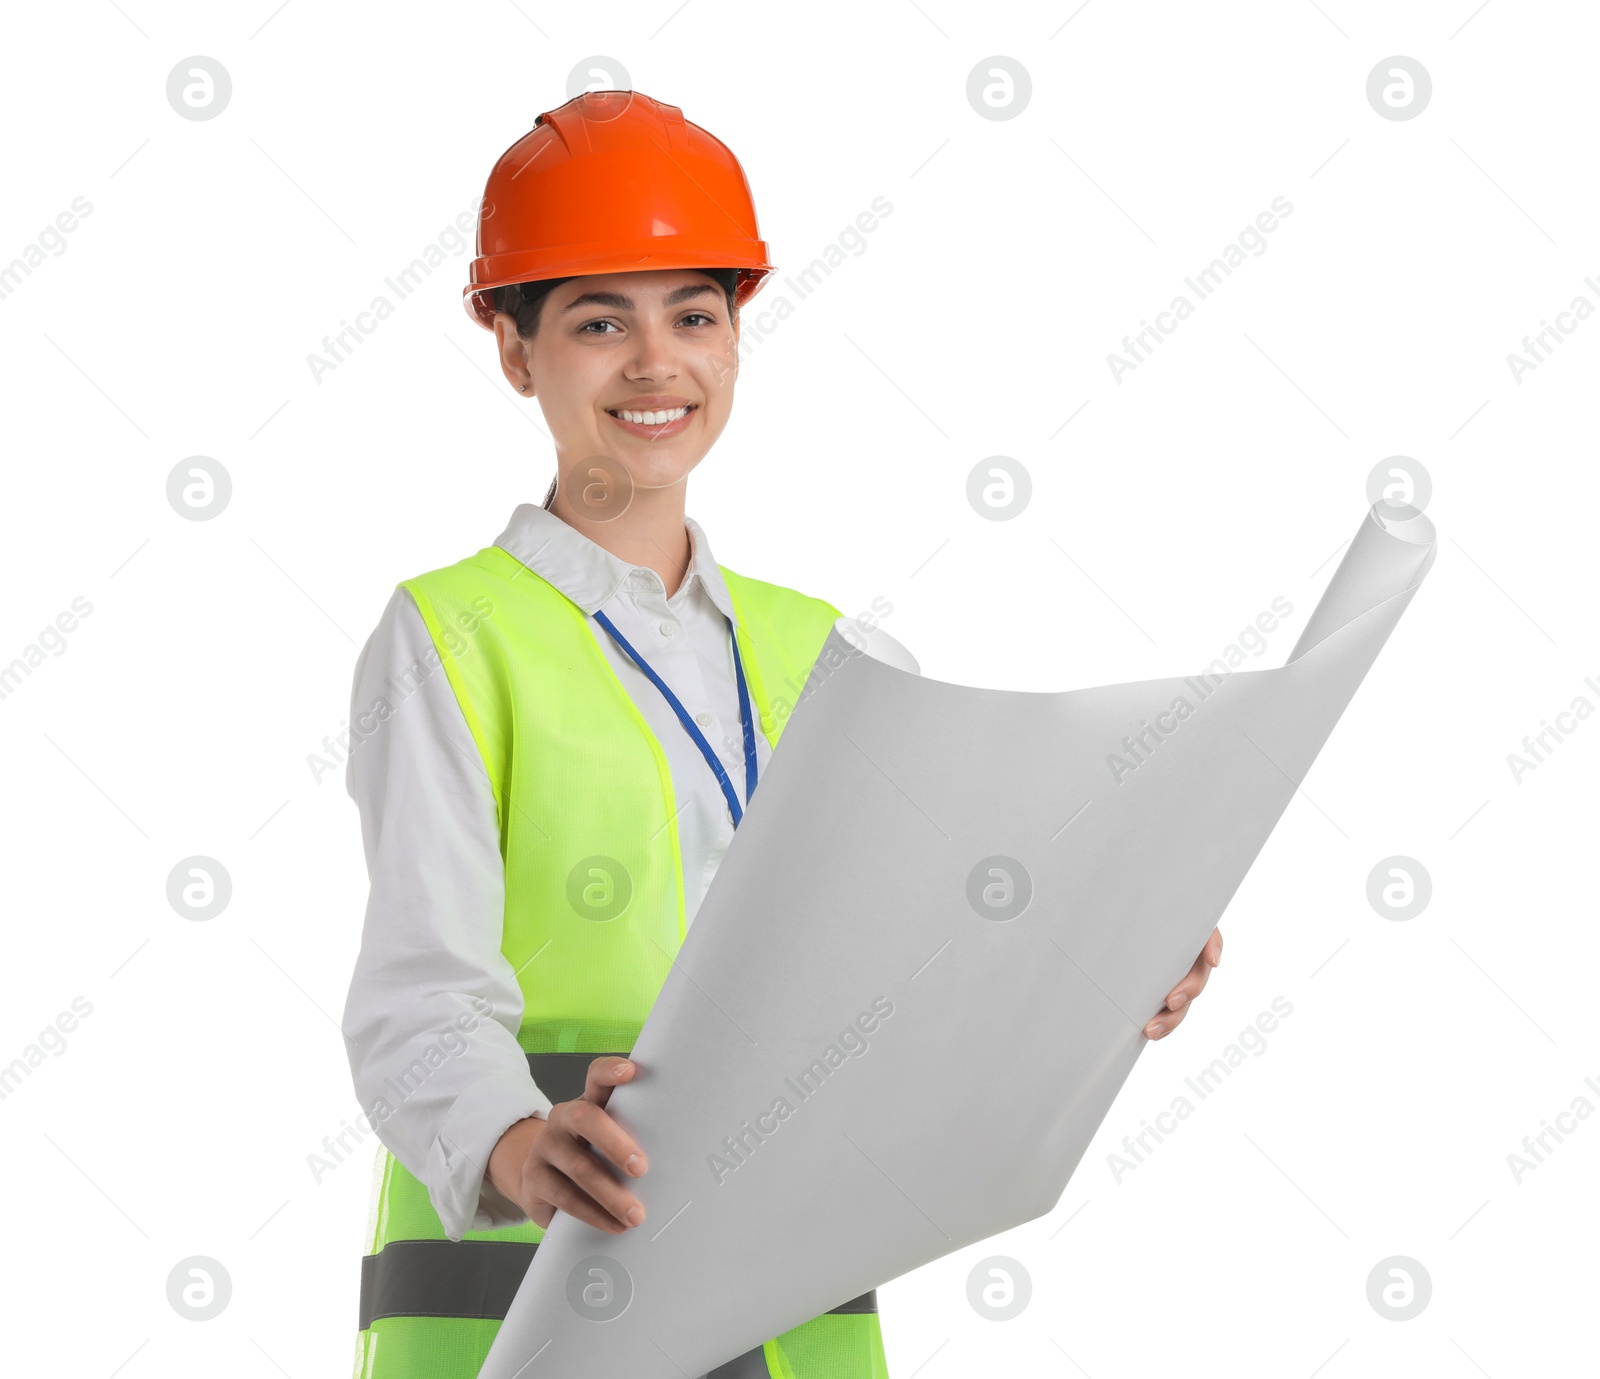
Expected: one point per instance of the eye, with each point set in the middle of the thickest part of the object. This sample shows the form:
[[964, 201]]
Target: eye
[[584, 328], [708, 319]]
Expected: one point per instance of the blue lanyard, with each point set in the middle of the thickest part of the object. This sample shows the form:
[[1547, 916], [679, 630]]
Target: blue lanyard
[[693, 730]]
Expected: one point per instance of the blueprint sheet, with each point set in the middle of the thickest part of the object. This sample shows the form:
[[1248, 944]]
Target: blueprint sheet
[[931, 879]]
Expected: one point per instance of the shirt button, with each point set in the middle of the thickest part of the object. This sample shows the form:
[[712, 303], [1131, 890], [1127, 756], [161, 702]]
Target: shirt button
[[705, 720], [669, 629]]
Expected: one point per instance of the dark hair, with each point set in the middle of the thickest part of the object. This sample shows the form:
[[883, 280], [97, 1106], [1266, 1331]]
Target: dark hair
[[526, 300]]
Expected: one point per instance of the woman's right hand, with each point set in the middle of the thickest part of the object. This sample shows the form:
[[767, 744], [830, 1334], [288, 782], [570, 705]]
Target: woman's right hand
[[545, 1163]]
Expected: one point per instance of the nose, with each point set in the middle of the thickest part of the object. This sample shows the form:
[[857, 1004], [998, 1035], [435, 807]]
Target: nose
[[654, 355]]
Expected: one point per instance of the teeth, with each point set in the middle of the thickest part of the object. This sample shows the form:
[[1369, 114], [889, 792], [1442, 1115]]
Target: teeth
[[652, 418]]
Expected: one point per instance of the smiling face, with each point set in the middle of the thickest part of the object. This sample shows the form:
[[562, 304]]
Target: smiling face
[[639, 367]]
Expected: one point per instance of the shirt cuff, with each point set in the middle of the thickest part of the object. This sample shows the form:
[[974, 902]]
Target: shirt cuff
[[458, 1162], [495, 1209]]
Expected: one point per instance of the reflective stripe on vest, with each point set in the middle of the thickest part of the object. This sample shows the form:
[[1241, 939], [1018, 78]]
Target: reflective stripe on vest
[[466, 1278]]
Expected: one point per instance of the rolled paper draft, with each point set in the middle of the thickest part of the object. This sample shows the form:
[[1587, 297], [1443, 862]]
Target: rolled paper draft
[[930, 879]]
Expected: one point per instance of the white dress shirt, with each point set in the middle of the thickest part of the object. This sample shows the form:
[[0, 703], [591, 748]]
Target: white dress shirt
[[431, 990]]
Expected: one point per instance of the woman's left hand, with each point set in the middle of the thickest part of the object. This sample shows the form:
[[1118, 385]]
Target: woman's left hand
[[1168, 1017]]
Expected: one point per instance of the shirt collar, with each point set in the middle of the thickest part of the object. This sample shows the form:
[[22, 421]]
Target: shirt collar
[[590, 575]]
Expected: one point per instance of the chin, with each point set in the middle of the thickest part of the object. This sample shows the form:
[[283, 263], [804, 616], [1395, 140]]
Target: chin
[[659, 471]]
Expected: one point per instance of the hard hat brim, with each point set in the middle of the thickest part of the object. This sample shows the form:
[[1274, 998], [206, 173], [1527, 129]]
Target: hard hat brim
[[488, 275]]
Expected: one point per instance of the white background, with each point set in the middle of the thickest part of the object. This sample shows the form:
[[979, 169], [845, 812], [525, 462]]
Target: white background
[[975, 321]]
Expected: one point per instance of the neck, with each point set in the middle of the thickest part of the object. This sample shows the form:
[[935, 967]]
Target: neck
[[650, 533]]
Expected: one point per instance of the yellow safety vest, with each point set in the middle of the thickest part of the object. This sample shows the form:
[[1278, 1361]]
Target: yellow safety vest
[[594, 915]]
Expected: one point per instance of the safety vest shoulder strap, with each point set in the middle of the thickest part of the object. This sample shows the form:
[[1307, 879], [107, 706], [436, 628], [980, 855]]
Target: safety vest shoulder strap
[[485, 614], [781, 631]]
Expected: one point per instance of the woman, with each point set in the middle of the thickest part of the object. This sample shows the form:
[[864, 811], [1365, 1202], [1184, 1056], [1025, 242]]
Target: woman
[[583, 710]]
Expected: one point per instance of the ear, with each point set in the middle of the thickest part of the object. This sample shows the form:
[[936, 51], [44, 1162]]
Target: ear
[[514, 361]]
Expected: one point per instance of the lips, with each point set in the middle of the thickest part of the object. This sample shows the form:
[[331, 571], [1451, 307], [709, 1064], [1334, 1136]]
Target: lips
[[676, 413]]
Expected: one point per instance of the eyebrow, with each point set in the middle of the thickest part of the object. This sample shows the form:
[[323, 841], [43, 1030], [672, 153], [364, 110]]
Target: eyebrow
[[618, 301]]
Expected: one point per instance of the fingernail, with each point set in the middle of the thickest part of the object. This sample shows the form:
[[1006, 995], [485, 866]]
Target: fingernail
[[1176, 999], [636, 1215], [634, 1164], [624, 1067], [1153, 1030]]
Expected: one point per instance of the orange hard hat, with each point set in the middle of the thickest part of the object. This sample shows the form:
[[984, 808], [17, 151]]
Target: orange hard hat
[[613, 182]]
